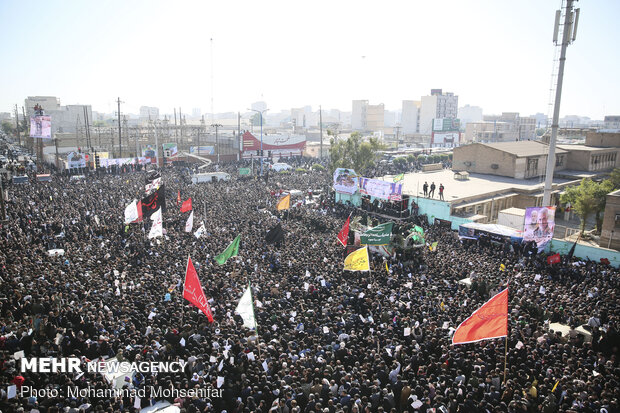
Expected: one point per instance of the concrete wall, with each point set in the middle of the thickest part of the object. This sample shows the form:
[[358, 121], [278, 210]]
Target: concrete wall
[[584, 251], [604, 139], [482, 158]]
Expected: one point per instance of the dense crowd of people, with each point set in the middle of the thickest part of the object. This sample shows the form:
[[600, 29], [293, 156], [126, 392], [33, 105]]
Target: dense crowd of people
[[327, 340]]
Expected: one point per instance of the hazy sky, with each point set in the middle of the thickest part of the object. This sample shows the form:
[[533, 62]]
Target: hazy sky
[[496, 54]]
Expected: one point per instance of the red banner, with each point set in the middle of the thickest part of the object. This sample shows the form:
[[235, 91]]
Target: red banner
[[487, 322], [187, 205], [554, 259], [343, 235], [192, 290]]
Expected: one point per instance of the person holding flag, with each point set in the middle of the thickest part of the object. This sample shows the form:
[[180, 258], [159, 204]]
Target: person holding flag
[[192, 290]]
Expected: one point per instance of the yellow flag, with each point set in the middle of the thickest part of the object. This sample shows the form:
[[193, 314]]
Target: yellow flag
[[357, 260], [556, 385], [284, 203], [443, 306], [502, 267], [386, 268]]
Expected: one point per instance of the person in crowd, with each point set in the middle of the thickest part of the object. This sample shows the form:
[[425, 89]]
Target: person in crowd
[[327, 340]]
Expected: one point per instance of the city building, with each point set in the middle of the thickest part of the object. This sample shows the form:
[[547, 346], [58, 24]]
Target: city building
[[610, 231], [410, 118], [48, 103], [469, 113], [490, 132], [366, 117], [148, 113], [519, 160], [522, 128], [69, 118], [260, 106], [611, 122], [437, 105]]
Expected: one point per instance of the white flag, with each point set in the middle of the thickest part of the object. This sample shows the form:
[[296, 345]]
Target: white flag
[[200, 231], [245, 309], [157, 230], [155, 183], [131, 212], [190, 222]]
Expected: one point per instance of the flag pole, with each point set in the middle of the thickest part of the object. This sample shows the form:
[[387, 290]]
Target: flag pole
[[505, 358], [255, 323], [506, 346]]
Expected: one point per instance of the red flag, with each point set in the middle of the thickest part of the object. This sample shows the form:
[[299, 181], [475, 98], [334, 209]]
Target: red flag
[[187, 205], [487, 322], [139, 211], [605, 261], [192, 290], [553, 259], [178, 197], [343, 235]]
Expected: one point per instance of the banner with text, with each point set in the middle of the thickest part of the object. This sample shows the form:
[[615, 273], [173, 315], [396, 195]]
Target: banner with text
[[381, 189]]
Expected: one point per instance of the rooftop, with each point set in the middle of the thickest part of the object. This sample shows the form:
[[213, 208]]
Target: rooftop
[[522, 148], [476, 186], [586, 148]]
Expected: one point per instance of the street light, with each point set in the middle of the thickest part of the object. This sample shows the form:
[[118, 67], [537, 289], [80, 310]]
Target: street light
[[261, 136], [217, 142]]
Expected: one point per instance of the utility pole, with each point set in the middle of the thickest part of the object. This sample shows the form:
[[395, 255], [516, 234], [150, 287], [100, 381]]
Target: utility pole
[[2, 206], [156, 145], [30, 141], [321, 126], [120, 143], [212, 109], [569, 33], [217, 141], [19, 139], [57, 158], [239, 137], [180, 127], [176, 136]]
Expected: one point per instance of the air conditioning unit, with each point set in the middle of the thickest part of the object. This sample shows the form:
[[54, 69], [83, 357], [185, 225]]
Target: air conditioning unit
[[467, 163], [494, 166]]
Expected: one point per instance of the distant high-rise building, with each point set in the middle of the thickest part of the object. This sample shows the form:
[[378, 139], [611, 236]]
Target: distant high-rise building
[[148, 113], [196, 112], [437, 105], [469, 113], [611, 122], [259, 106], [410, 118], [541, 120], [367, 117], [48, 103]]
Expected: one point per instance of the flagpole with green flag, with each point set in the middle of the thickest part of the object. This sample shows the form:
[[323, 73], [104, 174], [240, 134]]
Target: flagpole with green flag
[[231, 251]]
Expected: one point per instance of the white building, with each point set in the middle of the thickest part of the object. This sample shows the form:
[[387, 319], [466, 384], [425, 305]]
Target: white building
[[410, 119], [148, 113], [359, 114], [48, 103], [437, 105], [367, 117], [611, 122], [469, 113]]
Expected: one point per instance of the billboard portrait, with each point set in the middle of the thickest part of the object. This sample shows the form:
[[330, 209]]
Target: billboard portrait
[[539, 225], [76, 160], [345, 181], [41, 127]]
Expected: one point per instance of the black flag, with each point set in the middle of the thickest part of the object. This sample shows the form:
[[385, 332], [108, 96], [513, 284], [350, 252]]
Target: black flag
[[275, 235], [571, 252], [153, 201]]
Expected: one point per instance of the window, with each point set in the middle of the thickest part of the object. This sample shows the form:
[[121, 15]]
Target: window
[[559, 160]]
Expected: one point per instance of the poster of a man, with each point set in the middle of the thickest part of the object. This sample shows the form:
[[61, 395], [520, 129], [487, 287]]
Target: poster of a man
[[539, 225]]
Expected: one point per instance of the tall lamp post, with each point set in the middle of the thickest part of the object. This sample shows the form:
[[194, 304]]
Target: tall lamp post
[[217, 142], [261, 136]]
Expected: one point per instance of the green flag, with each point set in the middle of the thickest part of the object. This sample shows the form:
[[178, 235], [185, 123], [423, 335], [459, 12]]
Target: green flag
[[418, 229], [399, 178], [379, 235], [231, 251], [417, 238]]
